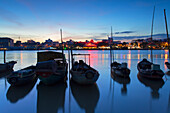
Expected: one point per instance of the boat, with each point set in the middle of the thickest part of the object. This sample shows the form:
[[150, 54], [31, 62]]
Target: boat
[[120, 70], [51, 99], [83, 73], [16, 93], [23, 76], [155, 85], [149, 70], [8, 66], [51, 67], [86, 96], [167, 65]]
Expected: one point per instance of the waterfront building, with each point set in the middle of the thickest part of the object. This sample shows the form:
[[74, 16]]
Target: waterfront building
[[6, 43]]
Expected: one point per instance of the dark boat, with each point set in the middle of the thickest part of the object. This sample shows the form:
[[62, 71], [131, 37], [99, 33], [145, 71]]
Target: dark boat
[[83, 73], [167, 64], [155, 85], [120, 70], [51, 67], [23, 76], [51, 99], [15, 93], [86, 96], [7, 66], [149, 70]]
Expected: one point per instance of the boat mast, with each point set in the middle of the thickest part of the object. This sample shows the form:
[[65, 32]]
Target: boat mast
[[167, 31], [111, 42], [152, 33], [62, 46]]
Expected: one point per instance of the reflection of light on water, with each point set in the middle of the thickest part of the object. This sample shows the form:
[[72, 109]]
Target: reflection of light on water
[[123, 56], [129, 63], [166, 51], [21, 57], [156, 56], [138, 56], [129, 60], [102, 58], [166, 56], [149, 56], [166, 60], [162, 56], [129, 56]]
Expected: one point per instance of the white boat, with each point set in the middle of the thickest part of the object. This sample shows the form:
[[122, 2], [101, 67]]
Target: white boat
[[7, 66], [83, 73]]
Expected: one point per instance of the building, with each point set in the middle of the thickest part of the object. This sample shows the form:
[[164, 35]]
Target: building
[[6, 42]]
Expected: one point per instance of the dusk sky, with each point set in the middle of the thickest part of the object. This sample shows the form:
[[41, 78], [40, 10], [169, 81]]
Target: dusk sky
[[81, 19]]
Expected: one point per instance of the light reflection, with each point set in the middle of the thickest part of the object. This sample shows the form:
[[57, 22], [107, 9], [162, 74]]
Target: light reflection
[[123, 56], [149, 56], [21, 57], [138, 56]]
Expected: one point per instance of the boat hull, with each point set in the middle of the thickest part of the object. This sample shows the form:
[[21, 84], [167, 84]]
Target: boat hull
[[52, 78], [151, 74], [121, 72], [81, 78], [20, 77], [21, 80]]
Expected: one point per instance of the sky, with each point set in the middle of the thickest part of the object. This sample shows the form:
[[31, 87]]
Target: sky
[[82, 20]]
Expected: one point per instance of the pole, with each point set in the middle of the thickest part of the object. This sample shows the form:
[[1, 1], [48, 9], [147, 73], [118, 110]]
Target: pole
[[167, 31], [62, 46], [4, 56], [152, 33]]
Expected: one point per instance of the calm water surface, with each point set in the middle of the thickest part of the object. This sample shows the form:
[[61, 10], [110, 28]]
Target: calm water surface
[[107, 96]]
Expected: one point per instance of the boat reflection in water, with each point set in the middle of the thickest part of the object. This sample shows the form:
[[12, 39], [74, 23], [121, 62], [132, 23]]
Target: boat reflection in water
[[16, 93], [51, 98], [155, 85], [122, 80], [86, 96]]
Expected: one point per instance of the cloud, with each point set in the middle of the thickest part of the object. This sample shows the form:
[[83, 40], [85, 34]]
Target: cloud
[[156, 36], [10, 17], [125, 32]]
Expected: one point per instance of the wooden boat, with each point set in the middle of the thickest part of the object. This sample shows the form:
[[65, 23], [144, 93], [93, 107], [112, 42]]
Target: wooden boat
[[83, 73], [51, 67], [149, 70], [120, 70], [155, 85], [167, 64], [7, 66], [23, 76], [86, 96], [51, 99], [16, 93]]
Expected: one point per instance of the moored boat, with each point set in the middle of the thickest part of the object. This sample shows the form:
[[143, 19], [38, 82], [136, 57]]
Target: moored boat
[[7, 66], [83, 73], [167, 64], [149, 70], [120, 70], [51, 67], [22, 76]]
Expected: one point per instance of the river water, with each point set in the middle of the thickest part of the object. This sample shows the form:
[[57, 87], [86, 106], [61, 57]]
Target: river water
[[106, 96]]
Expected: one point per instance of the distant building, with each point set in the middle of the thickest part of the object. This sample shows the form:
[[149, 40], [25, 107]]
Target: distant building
[[6, 42]]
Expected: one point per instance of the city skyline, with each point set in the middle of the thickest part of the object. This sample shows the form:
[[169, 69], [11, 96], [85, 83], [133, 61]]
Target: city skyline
[[81, 19]]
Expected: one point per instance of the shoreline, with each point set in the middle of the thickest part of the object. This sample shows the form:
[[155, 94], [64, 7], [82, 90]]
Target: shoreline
[[74, 49]]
